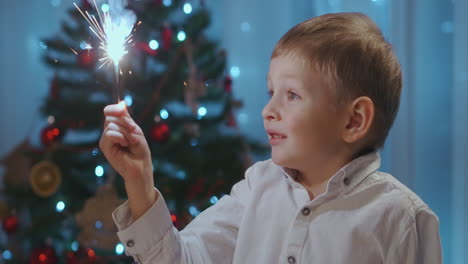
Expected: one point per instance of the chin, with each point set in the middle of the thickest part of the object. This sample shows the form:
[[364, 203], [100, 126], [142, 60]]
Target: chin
[[280, 160]]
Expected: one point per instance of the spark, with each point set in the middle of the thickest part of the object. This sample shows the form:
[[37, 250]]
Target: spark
[[114, 36]]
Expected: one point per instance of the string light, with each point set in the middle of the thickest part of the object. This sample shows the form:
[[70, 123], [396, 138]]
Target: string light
[[214, 199], [153, 44], [187, 8], [181, 175], [164, 114], [75, 245], [99, 171], [201, 112], [235, 71], [7, 254], [181, 36], [119, 249], [193, 211], [60, 206], [98, 224]]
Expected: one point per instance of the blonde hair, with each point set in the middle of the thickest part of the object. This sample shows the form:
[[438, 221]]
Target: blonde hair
[[351, 51]]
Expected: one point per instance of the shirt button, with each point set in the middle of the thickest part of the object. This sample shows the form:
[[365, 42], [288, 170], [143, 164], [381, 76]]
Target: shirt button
[[291, 260], [346, 181], [130, 243], [305, 211]]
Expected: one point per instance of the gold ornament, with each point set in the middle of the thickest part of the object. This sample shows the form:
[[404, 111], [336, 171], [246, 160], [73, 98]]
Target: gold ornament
[[45, 178], [95, 220]]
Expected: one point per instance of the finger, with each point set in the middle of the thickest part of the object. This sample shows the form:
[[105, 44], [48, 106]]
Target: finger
[[114, 127], [124, 122], [111, 138], [119, 109]]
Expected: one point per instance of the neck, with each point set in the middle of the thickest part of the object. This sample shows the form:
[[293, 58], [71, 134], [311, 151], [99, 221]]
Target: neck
[[315, 177]]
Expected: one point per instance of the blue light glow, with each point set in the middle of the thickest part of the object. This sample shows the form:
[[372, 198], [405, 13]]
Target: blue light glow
[[99, 171], [154, 44], [181, 35], [214, 199], [235, 71], [75, 245], [187, 8], [202, 111], [167, 3], [128, 100], [7, 254], [181, 175], [60, 206], [105, 8], [164, 114], [119, 249], [193, 211], [98, 224]]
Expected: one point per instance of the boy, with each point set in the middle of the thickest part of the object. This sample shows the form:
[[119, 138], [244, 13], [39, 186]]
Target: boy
[[335, 86]]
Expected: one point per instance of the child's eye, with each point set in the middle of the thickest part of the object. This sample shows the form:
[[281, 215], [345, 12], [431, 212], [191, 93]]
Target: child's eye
[[292, 96]]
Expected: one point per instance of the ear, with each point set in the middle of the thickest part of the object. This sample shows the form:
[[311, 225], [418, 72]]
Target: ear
[[360, 117]]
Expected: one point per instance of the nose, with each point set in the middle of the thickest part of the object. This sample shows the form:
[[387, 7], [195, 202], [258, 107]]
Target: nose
[[270, 112]]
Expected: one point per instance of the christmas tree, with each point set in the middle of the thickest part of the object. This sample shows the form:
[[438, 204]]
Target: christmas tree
[[58, 198]]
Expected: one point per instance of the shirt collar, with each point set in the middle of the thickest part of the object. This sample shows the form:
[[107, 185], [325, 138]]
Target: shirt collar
[[349, 175]]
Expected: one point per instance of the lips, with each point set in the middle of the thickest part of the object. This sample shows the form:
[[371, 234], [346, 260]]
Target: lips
[[275, 137]]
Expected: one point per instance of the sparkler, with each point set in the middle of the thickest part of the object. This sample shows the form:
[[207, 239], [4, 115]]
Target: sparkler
[[114, 33]]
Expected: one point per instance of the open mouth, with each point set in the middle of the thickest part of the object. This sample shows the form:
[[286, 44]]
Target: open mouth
[[275, 137]]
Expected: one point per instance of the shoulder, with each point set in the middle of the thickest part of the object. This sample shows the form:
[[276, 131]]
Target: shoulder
[[396, 198]]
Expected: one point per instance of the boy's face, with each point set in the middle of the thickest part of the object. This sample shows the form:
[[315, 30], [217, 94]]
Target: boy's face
[[302, 119]]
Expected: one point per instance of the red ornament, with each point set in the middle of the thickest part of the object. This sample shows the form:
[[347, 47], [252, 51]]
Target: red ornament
[[10, 224], [82, 255], [54, 88], [86, 58], [228, 84], [91, 255], [43, 255], [143, 46], [166, 34], [50, 134], [160, 132]]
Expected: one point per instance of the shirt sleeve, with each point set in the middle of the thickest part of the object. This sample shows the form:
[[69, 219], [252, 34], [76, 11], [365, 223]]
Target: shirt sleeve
[[421, 242], [210, 237]]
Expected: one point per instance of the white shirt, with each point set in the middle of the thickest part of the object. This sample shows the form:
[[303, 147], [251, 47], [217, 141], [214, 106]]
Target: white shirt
[[364, 216]]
